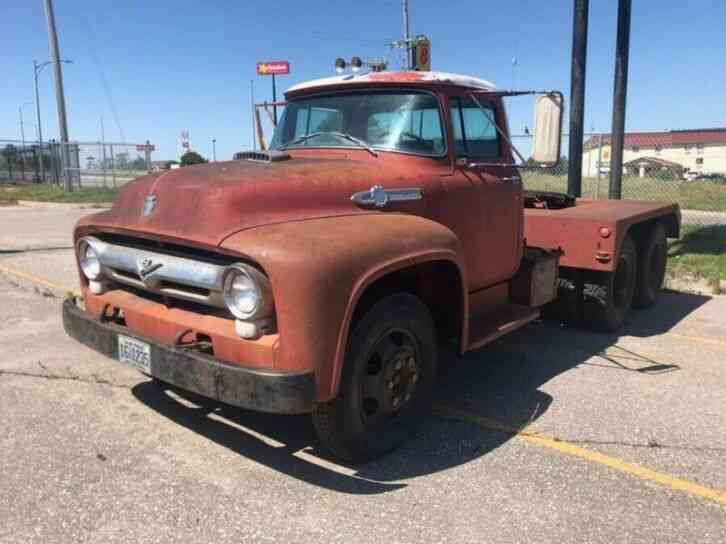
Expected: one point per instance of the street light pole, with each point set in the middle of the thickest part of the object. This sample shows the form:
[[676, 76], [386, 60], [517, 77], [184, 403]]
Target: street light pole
[[36, 68], [252, 114], [60, 97]]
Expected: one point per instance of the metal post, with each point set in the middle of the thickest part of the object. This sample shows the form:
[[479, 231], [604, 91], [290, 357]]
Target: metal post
[[22, 139], [407, 35], [214, 149], [40, 129], [577, 96], [60, 98], [113, 168], [252, 114], [103, 153], [622, 53], [274, 100], [599, 163], [147, 156]]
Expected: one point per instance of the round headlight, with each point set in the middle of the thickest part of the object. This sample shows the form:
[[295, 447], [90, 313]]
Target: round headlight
[[90, 263], [246, 292]]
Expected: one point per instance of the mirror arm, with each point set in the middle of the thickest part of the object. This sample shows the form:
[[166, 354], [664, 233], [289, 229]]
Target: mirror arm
[[499, 130]]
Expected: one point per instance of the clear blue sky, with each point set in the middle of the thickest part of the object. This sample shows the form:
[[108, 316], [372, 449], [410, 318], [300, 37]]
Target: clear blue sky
[[163, 66]]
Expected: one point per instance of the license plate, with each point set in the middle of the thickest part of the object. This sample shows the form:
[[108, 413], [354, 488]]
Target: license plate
[[134, 353]]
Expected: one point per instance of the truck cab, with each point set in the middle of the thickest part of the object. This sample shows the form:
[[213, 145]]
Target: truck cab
[[320, 275]]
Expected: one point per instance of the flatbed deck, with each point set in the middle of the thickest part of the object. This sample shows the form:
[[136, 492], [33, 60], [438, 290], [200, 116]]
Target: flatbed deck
[[588, 234]]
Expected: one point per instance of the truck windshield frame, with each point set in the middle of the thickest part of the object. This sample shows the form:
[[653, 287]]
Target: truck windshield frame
[[408, 121]]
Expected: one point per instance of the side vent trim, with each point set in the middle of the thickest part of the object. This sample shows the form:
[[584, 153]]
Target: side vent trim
[[262, 156]]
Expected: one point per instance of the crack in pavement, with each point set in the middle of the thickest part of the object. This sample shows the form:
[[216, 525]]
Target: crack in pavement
[[70, 377]]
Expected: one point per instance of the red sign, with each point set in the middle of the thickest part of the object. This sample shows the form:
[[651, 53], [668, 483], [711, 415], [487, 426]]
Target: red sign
[[145, 147], [273, 67]]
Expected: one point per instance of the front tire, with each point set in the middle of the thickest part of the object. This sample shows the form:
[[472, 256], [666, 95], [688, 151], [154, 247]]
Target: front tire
[[387, 382]]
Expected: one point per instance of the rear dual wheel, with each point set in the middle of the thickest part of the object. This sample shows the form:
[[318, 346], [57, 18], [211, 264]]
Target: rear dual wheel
[[652, 259], [387, 381], [637, 281], [609, 298]]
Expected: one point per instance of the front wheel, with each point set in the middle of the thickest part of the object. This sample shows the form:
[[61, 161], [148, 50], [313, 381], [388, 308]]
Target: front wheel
[[387, 382]]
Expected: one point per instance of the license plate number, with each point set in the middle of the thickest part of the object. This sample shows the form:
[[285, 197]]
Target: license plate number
[[134, 353]]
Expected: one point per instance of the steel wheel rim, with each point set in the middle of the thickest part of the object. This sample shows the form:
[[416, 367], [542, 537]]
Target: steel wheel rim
[[391, 375]]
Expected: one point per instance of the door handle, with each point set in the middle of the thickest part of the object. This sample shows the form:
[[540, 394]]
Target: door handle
[[379, 197], [512, 179]]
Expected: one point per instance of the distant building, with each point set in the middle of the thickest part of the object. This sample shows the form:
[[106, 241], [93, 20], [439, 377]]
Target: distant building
[[157, 166], [646, 153]]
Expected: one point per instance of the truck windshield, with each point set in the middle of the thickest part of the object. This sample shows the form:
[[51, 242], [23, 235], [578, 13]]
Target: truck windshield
[[405, 121]]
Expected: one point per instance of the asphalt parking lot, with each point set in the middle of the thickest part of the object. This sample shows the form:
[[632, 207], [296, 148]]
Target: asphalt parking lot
[[550, 434]]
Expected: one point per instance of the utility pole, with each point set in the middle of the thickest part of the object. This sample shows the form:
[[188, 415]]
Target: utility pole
[[252, 112], [60, 98], [40, 129], [407, 34], [622, 53], [103, 153], [22, 139], [577, 96], [274, 101]]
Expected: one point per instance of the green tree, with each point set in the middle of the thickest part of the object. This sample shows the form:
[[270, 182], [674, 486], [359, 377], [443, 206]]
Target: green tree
[[139, 163], [192, 157], [122, 161]]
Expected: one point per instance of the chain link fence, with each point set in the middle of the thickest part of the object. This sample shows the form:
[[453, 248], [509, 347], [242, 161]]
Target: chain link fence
[[90, 164], [687, 167]]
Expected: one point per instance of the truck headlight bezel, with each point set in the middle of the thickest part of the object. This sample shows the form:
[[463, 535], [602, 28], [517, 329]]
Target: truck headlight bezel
[[247, 293], [89, 260]]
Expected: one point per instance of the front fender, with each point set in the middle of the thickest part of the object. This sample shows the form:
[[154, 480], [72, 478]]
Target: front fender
[[318, 270]]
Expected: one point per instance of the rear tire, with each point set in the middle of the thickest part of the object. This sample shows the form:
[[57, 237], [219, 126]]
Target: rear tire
[[609, 300], [652, 258], [386, 386]]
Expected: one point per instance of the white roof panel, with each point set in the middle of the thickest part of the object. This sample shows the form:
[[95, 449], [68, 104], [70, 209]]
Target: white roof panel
[[397, 77]]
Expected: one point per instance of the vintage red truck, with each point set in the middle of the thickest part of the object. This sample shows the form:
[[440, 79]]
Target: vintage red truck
[[319, 276]]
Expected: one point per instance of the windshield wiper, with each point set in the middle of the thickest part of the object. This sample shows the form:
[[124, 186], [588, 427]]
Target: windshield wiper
[[344, 135]]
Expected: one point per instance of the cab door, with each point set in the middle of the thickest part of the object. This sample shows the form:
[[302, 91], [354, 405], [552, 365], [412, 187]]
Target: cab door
[[485, 191]]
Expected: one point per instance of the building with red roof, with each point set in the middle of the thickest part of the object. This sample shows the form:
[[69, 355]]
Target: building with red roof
[[680, 151]]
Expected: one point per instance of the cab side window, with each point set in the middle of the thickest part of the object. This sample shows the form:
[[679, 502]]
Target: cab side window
[[475, 133]]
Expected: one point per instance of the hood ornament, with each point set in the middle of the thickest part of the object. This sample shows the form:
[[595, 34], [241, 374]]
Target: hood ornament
[[149, 204], [145, 266]]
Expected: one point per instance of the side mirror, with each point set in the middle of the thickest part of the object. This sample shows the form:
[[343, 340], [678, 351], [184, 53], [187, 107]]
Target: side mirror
[[547, 129]]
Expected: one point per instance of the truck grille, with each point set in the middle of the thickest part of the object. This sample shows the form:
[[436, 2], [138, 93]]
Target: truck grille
[[161, 273]]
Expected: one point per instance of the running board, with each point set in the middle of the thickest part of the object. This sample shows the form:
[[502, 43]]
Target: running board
[[504, 320]]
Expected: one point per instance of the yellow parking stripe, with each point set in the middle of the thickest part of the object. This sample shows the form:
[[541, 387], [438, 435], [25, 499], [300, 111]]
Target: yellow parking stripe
[[36, 279], [576, 451]]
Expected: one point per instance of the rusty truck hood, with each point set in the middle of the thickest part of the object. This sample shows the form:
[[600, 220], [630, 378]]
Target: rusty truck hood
[[204, 204]]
